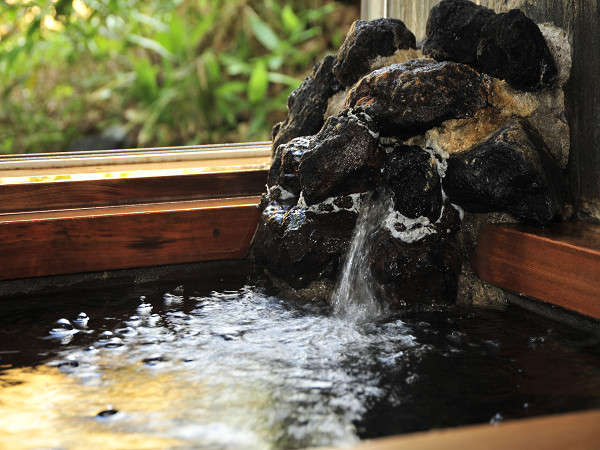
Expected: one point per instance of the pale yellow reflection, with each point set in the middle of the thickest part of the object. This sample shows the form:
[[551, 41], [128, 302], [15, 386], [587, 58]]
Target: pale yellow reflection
[[43, 407], [78, 176]]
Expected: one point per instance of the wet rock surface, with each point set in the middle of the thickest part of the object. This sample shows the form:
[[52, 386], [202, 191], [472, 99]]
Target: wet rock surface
[[406, 99], [286, 160], [453, 30], [412, 175], [415, 271], [381, 186], [366, 41], [302, 245], [512, 48], [344, 159], [308, 103], [509, 172], [509, 46]]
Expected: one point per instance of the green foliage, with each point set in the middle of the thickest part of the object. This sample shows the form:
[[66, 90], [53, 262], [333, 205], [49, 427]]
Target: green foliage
[[172, 72]]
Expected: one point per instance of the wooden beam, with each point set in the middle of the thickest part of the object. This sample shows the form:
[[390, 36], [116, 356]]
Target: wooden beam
[[94, 239], [565, 431], [558, 265], [50, 195]]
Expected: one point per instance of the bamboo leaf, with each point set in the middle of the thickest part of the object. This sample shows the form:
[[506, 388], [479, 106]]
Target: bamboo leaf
[[150, 44], [263, 32], [291, 22], [258, 83]]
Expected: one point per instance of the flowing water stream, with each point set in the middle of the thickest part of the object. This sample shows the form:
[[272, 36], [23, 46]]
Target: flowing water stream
[[354, 296]]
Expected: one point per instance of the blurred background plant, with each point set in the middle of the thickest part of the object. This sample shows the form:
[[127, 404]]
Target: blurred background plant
[[84, 74]]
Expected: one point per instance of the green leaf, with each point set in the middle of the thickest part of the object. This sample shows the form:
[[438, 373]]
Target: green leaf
[[263, 32], [282, 78], [34, 27], [149, 44], [63, 7], [258, 83], [145, 88], [234, 65], [291, 22], [275, 62], [231, 88], [212, 70]]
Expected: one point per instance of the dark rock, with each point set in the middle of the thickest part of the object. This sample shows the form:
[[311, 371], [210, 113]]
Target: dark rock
[[424, 270], [513, 48], [411, 173], [367, 40], [345, 159], [453, 30], [308, 103], [406, 99], [303, 245], [510, 172], [509, 46], [284, 168]]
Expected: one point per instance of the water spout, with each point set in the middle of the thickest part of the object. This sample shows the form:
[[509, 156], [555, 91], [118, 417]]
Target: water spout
[[354, 296]]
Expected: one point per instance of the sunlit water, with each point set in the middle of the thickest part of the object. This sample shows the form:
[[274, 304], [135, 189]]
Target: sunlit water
[[242, 369]]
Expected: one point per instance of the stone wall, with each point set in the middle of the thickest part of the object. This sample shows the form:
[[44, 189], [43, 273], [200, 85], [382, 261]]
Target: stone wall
[[581, 20]]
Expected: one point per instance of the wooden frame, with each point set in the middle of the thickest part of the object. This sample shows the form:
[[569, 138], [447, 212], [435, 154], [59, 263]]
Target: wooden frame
[[178, 205], [574, 431], [559, 265]]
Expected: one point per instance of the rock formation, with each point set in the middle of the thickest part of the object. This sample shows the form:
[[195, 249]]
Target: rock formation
[[431, 138], [509, 46]]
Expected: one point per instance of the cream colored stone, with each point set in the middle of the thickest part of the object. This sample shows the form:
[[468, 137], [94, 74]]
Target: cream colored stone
[[335, 104], [398, 57], [560, 48], [461, 134], [474, 291], [544, 110]]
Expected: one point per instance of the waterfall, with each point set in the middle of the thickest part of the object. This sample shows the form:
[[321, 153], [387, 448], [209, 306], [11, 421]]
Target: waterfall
[[354, 295]]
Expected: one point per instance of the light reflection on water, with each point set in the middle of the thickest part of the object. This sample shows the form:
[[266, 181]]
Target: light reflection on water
[[241, 369]]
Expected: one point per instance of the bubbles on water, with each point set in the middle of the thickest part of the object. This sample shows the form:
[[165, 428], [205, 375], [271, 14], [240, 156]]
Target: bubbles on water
[[82, 320], [170, 299], [496, 419], [109, 414], [153, 320], [144, 308], [63, 330], [62, 326], [134, 321], [113, 342]]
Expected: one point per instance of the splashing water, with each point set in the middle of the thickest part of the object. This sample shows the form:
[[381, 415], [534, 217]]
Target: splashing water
[[354, 297]]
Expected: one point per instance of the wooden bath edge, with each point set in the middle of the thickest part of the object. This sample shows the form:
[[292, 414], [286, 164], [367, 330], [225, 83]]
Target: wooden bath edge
[[573, 431], [559, 264], [36, 244]]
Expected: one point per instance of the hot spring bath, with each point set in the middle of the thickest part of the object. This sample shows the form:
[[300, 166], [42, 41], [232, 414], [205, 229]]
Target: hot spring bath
[[239, 368]]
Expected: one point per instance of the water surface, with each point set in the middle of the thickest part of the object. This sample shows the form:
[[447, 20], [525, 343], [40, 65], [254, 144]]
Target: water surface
[[238, 368]]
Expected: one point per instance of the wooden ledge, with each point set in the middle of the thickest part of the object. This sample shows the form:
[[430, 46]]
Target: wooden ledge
[[559, 264], [51, 195], [94, 239], [558, 432]]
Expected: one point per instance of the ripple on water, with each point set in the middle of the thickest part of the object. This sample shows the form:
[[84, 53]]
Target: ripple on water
[[278, 374], [242, 369]]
